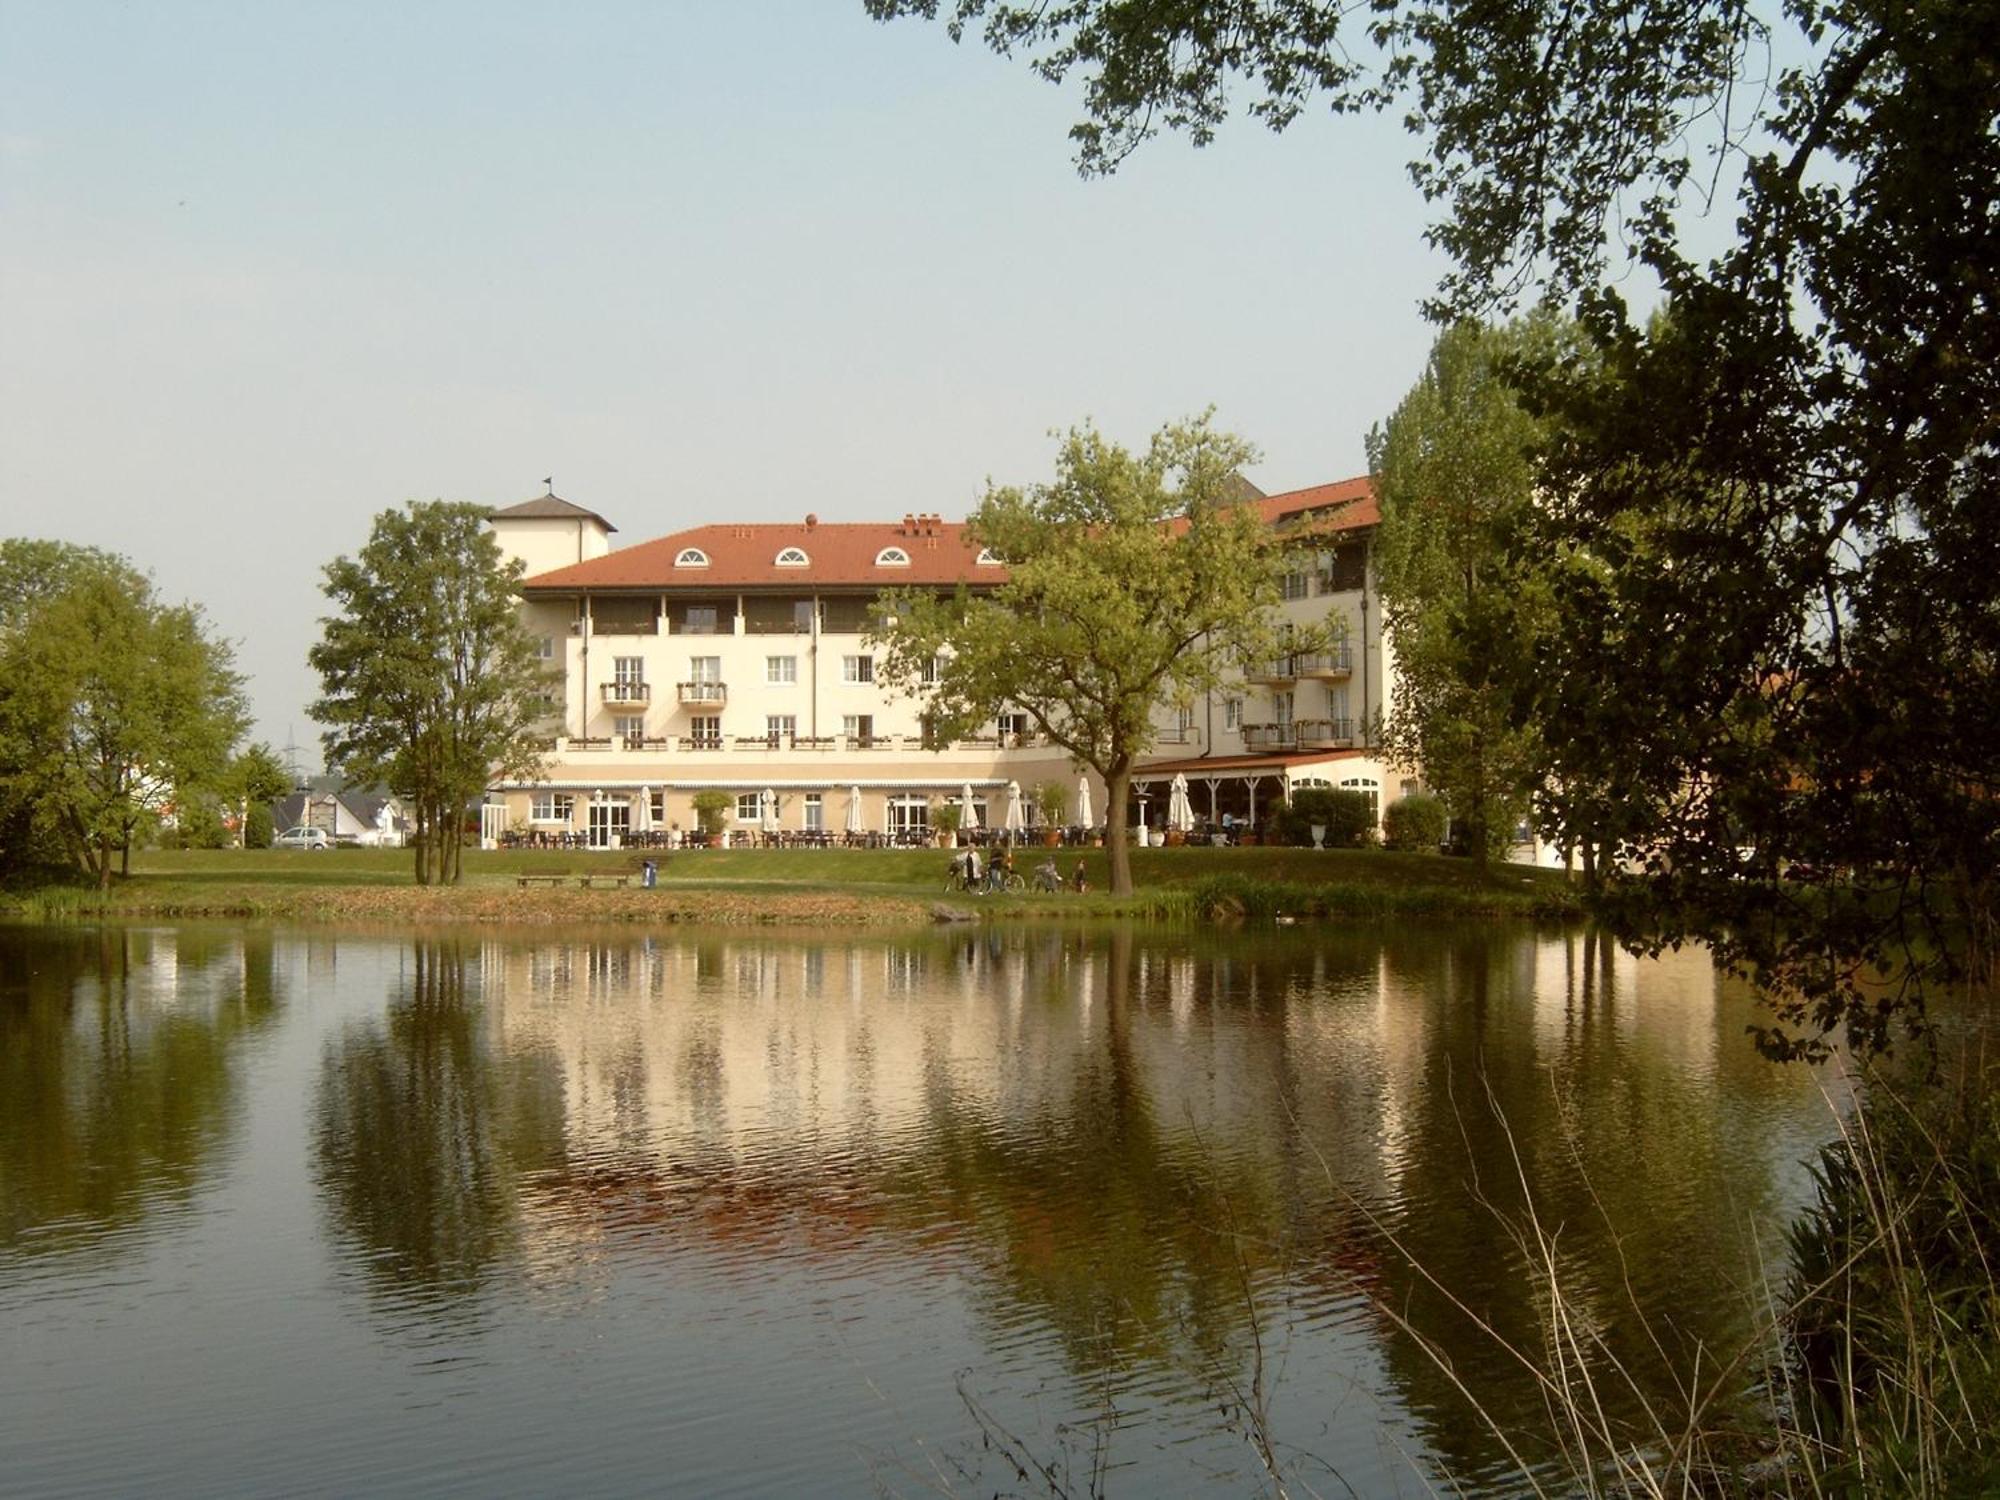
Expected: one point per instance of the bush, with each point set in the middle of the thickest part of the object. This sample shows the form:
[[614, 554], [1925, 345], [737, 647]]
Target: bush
[[1349, 817], [1415, 822], [258, 831], [710, 807]]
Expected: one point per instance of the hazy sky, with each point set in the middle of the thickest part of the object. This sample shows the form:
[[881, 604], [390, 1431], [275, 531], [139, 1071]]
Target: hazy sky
[[266, 270]]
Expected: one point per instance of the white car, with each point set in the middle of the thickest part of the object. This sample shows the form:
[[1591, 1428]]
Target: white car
[[303, 838]]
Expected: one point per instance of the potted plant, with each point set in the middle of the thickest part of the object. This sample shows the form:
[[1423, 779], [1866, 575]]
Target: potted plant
[[1052, 802], [945, 819], [710, 808]]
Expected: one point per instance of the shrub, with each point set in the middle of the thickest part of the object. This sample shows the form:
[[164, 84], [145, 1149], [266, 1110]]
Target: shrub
[[710, 807], [1415, 822], [1348, 815], [257, 829]]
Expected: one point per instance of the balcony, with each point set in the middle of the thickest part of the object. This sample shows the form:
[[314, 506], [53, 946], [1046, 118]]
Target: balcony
[[619, 694], [703, 692], [1323, 734], [1338, 662], [1278, 671], [1262, 737]]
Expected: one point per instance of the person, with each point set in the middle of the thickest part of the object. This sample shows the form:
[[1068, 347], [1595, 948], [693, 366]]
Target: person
[[1081, 881], [972, 869], [1047, 876], [999, 868]]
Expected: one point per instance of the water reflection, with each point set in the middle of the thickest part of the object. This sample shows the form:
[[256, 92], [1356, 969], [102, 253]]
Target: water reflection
[[119, 1069], [1140, 1190]]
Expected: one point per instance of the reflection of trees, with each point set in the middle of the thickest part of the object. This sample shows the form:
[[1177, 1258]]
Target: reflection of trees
[[118, 1071], [420, 1132]]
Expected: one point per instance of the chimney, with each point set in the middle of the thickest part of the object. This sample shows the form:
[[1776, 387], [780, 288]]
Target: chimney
[[909, 524]]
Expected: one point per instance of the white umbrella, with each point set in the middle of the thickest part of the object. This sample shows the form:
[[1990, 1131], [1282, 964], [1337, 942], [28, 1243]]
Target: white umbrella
[[770, 819], [642, 818], [854, 809], [1014, 819], [1083, 818], [965, 807], [1180, 815]]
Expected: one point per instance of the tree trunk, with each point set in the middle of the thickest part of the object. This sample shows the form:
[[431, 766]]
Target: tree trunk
[[419, 842], [1117, 831]]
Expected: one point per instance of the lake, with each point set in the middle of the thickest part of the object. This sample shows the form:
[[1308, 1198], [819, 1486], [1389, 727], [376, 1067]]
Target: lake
[[1031, 1211]]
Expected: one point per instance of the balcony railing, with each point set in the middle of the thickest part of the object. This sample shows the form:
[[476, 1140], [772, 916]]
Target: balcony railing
[[766, 744], [626, 692], [1258, 737], [1278, 670], [703, 692], [1337, 662], [1317, 734]]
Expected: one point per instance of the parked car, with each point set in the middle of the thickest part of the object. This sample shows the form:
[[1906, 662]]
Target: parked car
[[303, 838]]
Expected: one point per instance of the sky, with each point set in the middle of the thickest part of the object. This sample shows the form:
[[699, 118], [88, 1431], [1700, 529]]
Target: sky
[[268, 270]]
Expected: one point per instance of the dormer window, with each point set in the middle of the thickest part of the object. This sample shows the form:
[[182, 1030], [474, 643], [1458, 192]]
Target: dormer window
[[892, 557], [691, 557], [986, 559], [792, 557]]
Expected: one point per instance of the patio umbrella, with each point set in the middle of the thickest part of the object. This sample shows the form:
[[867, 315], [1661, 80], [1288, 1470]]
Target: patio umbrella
[[642, 815], [1014, 818], [1083, 817], [770, 819], [1180, 815], [965, 807], [854, 809]]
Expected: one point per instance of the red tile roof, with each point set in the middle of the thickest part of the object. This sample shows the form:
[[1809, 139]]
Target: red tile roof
[[843, 554], [740, 556]]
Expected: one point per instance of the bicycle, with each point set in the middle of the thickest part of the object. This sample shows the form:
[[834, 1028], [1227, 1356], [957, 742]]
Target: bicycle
[[1010, 884]]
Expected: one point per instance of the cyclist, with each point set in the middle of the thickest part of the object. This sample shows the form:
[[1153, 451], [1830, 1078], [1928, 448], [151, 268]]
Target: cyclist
[[998, 869]]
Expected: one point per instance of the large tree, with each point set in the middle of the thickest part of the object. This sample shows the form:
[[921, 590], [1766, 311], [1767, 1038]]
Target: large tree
[[430, 684], [1133, 580], [1780, 503], [114, 706], [1462, 599]]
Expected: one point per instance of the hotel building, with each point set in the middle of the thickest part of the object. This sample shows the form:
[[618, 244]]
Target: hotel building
[[733, 657]]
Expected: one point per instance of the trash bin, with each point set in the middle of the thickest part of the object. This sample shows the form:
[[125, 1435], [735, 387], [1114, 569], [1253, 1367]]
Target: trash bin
[[649, 873]]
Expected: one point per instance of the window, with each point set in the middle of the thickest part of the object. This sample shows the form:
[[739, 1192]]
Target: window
[[704, 669], [791, 557], [1232, 713], [815, 813], [545, 647], [749, 808], [781, 669], [705, 732], [631, 728], [779, 729], [1184, 718], [1295, 585], [1013, 728], [802, 616], [1281, 709], [549, 807], [1372, 788], [892, 557], [698, 619], [657, 807], [628, 671], [933, 669], [857, 669], [986, 559], [691, 557], [909, 811], [860, 728]]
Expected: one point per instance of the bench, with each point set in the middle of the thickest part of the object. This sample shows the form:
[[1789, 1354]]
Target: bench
[[590, 880], [527, 880]]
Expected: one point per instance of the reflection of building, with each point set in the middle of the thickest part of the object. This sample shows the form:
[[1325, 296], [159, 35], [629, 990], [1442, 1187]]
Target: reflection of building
[[732, 657]]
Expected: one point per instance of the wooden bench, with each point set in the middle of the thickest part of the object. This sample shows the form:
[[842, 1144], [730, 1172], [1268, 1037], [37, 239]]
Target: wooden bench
[[525, 881], [590, 880]]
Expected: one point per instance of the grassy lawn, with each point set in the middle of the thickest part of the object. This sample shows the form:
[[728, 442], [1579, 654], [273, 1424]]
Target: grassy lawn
[[807, 885]]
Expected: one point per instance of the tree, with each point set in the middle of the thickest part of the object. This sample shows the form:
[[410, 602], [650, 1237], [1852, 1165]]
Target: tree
[[1132, 580], [1782, 503], [430, 684], [115, 706], [255, 779], [1460, 597]]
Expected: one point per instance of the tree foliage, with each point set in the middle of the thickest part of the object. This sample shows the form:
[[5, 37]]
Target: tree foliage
[[430, 684], [114, 705], [1133, 580], [1462, 598], [1774, 511]]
